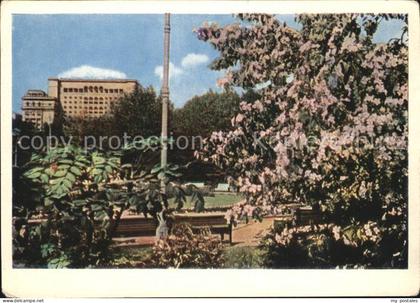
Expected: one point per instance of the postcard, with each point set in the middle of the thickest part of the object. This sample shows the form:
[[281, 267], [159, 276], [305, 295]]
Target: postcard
[[210, 149]]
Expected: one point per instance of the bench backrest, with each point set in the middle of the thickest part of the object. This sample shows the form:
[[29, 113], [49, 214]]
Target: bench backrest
[[201, 220], [307, 216], [137, 226], [147, 226]]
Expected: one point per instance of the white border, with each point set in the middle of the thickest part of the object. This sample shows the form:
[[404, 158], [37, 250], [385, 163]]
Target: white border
[[167, 283]]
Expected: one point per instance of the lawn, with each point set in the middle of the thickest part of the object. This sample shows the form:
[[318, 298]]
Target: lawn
[[219, 200]]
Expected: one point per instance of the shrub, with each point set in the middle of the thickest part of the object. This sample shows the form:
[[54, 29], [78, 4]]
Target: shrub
[[243, 257], [78, 197], [75, 210], [130, 257], [327, 246], [184, 249]]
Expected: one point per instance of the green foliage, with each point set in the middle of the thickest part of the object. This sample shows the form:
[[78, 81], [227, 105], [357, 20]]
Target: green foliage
[[204, 114], [198, 201], [242, 257], [130, 257], [304, 250], [81, 130], [138, 113], [140, 154], [196, 120], [74, 215], [78, 198], [184, 249], [329, 246]]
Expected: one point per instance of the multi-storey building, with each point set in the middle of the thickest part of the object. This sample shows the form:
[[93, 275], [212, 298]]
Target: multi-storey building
[[88, 98], [80, 98], [39, 108]]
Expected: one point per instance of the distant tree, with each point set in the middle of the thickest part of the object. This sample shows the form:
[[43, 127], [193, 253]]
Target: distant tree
[[199, 117], [138, 113], [80, 128], [204, 114], [21, 129]]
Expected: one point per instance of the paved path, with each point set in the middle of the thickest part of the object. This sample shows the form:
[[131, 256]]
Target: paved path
[[251, 233]]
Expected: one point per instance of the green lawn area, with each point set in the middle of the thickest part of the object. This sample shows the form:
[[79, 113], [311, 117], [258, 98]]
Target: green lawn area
[[219, 200]]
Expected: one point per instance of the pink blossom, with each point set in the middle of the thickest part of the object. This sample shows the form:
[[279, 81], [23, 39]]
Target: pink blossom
[[239, 118]]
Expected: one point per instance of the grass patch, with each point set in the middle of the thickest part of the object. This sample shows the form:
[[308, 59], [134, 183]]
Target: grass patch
[[126, 257], [243, 257]]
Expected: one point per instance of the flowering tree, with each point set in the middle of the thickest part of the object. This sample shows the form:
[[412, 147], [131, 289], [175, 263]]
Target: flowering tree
[[330, 129]]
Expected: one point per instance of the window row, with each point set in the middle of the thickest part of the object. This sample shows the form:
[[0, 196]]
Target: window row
[[91, 98], [39, 104], [91, 89], [80, 107], [89, 102], [32, 113], [89, 112]]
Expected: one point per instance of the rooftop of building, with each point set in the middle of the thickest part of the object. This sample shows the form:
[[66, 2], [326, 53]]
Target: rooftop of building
[[93, 80], [37, 94]]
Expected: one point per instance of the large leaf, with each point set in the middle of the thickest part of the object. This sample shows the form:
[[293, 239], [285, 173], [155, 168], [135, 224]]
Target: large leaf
[[75, 171], [44, 178], [66, 183], [60, 173], [33, 175], [71, 177]]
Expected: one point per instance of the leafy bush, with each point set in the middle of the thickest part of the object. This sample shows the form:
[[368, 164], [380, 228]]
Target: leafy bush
[[130, 257], [243, 257], [75, 199], [328, 246], [67, 202], [184, 249], [73, 212]]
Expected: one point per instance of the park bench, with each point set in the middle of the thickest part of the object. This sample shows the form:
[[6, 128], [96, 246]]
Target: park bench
[[214, 221], [281, 221], [137, 225], [307, 216]]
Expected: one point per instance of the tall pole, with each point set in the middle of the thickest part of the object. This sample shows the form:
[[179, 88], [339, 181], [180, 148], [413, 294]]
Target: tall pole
[[165, 95]]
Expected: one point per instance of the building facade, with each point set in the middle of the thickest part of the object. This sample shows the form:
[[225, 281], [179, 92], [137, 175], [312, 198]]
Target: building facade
[[88, 98], [75, 98], [39, 108]]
